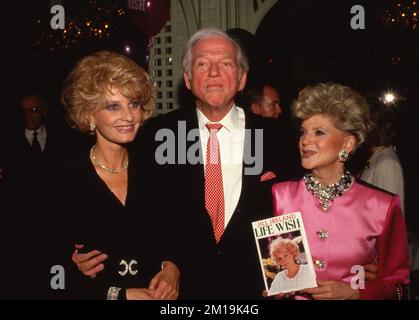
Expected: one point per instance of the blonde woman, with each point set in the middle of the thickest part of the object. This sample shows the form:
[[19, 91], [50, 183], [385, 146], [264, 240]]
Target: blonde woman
[[348, 224], [285, 253], [102, 198]]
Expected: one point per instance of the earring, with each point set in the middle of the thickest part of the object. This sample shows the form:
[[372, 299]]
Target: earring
[[92, 128], [343, 155]]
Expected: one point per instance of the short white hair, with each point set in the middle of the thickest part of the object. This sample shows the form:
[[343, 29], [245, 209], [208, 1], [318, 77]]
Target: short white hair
[[206, 33]]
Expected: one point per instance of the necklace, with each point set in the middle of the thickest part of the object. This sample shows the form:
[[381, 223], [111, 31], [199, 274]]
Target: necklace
[[369, 161], [326, 194], [102, 166]]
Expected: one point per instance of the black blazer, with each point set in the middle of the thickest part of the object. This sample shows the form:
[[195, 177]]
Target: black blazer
[[82, 209], [22, 188], [229, 269]]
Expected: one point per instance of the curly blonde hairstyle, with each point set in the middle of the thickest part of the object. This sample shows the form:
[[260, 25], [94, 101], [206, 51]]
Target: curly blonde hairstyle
[[348, 110], [281, 243], [86, 85]]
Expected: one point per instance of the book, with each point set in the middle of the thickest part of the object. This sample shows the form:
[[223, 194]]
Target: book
[[284, 254]]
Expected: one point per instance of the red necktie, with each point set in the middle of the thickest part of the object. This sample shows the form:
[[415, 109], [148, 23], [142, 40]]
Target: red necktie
[[214, 192]]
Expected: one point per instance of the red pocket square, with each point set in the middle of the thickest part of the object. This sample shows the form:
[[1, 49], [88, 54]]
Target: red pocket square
[[268, 175]]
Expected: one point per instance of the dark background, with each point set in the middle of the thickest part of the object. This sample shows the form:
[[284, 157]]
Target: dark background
[[298, 42]]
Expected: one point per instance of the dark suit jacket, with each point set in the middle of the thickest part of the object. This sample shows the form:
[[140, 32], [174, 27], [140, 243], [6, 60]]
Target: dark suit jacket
[[229, 269], [22, 187]]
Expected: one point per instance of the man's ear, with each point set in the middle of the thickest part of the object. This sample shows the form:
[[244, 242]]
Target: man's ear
[[187, 80], [254, 108], [242, 81]]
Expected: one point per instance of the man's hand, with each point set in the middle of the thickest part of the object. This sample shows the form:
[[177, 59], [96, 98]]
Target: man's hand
[[371, 271], [333, 290], [89, 263], [165, 284]]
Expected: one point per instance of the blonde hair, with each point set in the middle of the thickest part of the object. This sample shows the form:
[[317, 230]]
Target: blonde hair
[[86, 85], [280, 243], [347, 109]]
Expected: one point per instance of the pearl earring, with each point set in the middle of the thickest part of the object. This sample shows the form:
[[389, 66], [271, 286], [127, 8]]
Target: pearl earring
[[92, 128]]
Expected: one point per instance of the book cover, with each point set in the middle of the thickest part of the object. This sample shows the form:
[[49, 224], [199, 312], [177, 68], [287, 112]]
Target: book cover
[[284, 254]]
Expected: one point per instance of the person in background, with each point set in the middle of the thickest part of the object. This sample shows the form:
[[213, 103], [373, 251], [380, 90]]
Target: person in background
[[347, 223], [30, 145], [264, 101], [383, 168]]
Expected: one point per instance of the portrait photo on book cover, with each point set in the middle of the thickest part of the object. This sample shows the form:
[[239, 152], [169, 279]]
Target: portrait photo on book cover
[[285, 264]]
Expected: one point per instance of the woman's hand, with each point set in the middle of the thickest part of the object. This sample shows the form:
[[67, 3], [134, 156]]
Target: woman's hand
[[89, 263], [333, 290], [140, 294], [165, 284]]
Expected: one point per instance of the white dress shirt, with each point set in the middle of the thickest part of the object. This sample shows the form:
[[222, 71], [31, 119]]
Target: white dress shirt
[[231, 142], [42, 136]]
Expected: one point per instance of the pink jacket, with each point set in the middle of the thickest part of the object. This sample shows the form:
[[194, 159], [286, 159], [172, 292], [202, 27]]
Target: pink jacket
[[362, 225]]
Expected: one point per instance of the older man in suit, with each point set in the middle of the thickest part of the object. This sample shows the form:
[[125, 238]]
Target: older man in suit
[[215, 200], [214, 164]]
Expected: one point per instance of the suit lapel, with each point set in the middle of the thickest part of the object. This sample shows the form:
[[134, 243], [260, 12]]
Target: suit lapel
[[196, 171]]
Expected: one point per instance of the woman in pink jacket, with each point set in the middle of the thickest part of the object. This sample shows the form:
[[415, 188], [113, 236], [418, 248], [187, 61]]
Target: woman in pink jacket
[[348, 224]]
